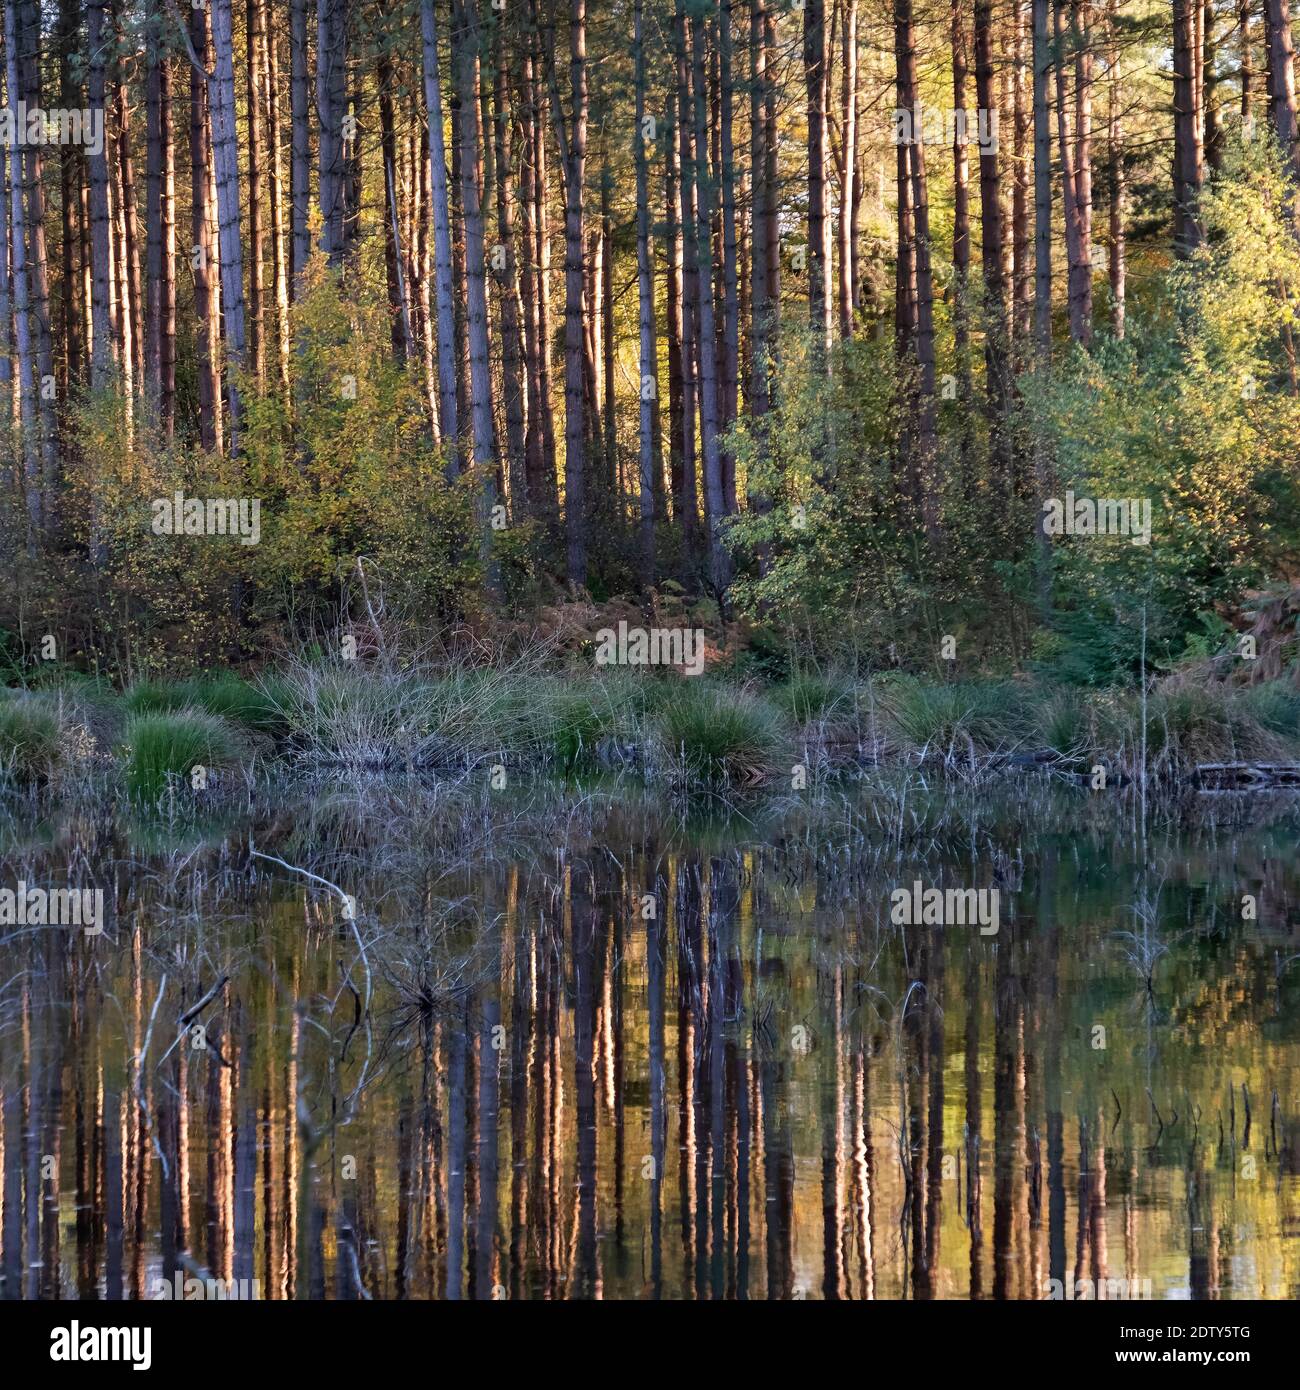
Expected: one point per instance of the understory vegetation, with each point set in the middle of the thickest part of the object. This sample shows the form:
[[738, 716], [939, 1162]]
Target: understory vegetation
[[715, 732]]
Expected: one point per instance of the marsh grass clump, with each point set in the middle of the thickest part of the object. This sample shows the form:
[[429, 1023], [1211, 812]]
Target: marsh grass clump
[[816, 697], [1191, 724], [30, 736], [1276, 706], [721, 736], [580, 723], [950, 719], [253, 706], [160, 746]]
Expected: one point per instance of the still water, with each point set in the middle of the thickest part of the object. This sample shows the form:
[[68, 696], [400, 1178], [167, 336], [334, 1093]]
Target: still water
[[572, 1049]]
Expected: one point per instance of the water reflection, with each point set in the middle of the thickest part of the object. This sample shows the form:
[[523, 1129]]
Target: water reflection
[[643, 1070]]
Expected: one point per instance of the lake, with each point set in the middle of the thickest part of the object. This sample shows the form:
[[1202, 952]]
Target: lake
[[572, 1043]]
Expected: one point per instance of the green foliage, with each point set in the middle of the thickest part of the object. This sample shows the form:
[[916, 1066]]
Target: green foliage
[[1193, 410]]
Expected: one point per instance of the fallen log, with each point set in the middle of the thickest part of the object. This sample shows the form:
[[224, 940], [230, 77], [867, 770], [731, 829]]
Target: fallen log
[[1245, 776]]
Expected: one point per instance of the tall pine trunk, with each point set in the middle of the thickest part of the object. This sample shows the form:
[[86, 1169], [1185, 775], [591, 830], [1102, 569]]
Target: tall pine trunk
[[484, 430], [445, 309], [300, 143], [225, 156], [649, 374]]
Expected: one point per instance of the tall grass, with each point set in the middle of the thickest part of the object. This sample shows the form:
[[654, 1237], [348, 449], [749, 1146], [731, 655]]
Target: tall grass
[[715, 735], [161, 746], [29, 736]]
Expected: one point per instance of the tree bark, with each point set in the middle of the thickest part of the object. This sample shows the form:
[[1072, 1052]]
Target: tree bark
[[719, 564], [100, 42], [512, 313], [1277, 14], [300, 144], [484, 429], [443, 290], [1042, 51], [649, 375], [225, 156], [1115, 154], [816, 78]]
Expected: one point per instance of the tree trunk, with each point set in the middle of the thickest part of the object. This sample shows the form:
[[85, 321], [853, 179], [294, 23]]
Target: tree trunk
[[961, 186], [849, 162], [573, 145], [649, 374], [1081, 290], [225, 156], [300, 143], [331, 97], [256, 173], [1115, 155], [760, 193], [1042, 49], [816, 75], [1187, 153], [484, 429], [730, 287], [160, 232], [1023, 281], [1277, 14], [709, 404], [100, 45], [394, 264], [27, 385], [991, 228], [443, 289], [207, 342], [280, 248], [29, 20], [512, 345], [686, 188]]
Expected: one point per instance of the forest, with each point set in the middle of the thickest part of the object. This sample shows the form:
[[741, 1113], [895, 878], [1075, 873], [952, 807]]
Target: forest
[[796, 313]]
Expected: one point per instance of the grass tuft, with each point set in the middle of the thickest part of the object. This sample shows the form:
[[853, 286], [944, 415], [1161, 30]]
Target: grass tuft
[[160, 746]]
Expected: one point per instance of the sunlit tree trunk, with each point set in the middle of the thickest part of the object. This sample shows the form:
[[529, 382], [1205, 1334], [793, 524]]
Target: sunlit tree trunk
[[649, 373], [512, 344], [207, 341], [484, 429], [225, 157], [256, 200], [27, 385], [300, 143], [1042, 53], [816, 78], [443, 290], [100, 43], [331, 98], [1115, 154], [849, 166]]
